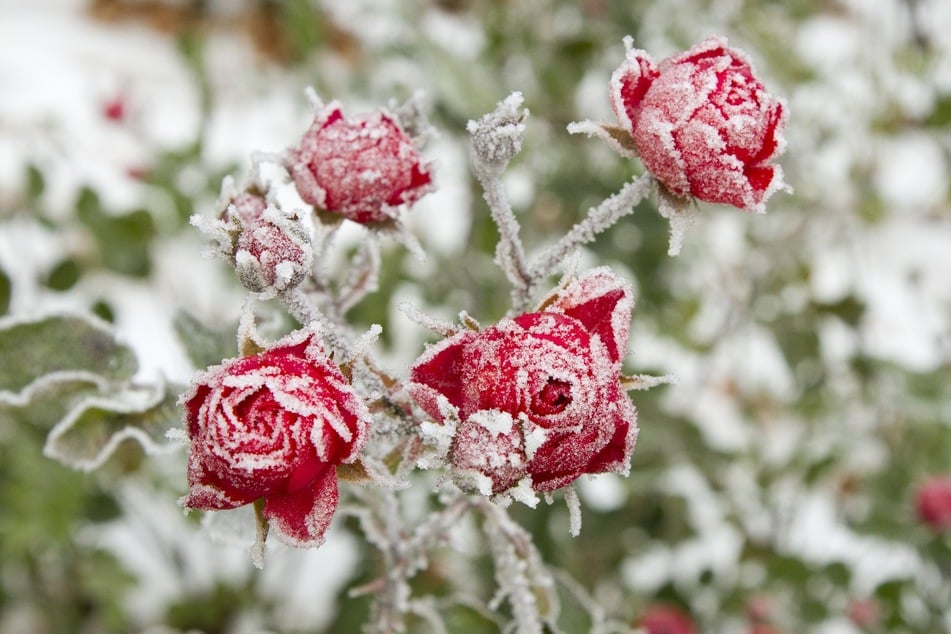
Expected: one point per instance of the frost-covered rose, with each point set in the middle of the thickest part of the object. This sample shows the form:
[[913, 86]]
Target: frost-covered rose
[[702, 123], [537, 395], [269, 248], [364, 168], [274, 426], [933, 503], [273, 252]]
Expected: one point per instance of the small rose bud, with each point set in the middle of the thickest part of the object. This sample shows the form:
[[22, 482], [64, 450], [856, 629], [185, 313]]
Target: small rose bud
[[365, 169], [272, 252], [274, 426], [667, 619], [702, 123], [933, 503], [538, 395], [245, 208], [864, 613], [116, 109], [497, 136]]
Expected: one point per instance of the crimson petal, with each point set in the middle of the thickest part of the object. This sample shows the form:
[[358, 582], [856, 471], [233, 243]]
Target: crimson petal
[[302, 517]]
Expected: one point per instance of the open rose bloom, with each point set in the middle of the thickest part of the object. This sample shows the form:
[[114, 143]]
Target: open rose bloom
[[364, 169], [702, 123], [273, 427], [539, 395]]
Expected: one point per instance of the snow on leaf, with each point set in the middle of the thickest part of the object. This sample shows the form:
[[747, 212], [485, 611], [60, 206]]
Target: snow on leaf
[[60, 345], [92, 430]]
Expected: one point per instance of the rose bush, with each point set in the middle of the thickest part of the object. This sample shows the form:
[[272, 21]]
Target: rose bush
[[702, 123], [364, 169], [274, 426], [537, 395]]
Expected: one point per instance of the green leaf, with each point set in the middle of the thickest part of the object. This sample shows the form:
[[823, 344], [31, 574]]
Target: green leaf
[[95, 427], [60, 346], [204, 346], [123, 239], [6, 290], [35, 183]]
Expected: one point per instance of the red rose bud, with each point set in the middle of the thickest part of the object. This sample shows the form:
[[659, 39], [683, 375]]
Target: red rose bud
[[864, 613], [272, 252], [245, 207], [364, 169], [274, 426], [537, 395], [665, 619], [933, 503], [702, 123]]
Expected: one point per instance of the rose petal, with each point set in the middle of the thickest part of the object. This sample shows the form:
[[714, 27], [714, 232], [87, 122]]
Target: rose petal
[[301, 518], [438, 369], [629, 83], [603, 303]]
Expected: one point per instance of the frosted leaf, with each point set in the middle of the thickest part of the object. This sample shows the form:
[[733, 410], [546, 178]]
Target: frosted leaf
[[88, 435], [646, 381], [61, 345], [437, 326], [615, 136]]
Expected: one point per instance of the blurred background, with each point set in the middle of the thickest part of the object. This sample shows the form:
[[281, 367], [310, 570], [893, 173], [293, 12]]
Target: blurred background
[[775, 487]]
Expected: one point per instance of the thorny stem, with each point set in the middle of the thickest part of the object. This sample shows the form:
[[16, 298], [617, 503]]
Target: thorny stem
[[598, 219]]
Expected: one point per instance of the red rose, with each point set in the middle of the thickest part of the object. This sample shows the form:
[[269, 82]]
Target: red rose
[[537, 395], [702, 123], [273, 426], [933, 503], [363, 169], [665, 619]]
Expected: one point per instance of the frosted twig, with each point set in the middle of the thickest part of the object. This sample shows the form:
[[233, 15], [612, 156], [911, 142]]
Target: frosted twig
[[496, 139], [303, 310], [596, 221], [362, 276], [520, 572]]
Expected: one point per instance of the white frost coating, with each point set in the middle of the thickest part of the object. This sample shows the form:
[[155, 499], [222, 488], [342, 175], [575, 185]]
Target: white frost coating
[[129, 401], [574, 510], [524, 492], [533, 435], [495, 421]]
